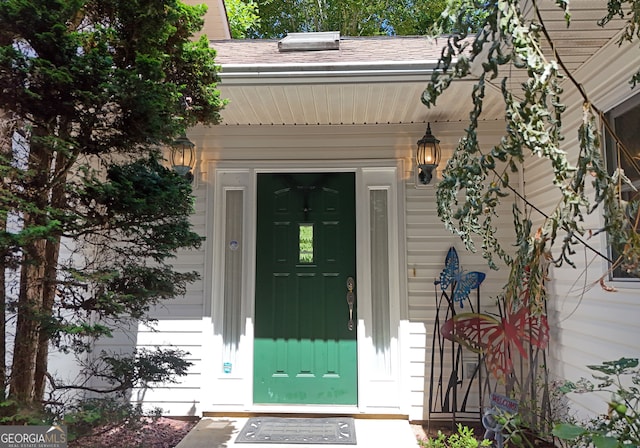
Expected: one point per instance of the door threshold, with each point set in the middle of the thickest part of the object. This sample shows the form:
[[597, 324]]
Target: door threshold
[[304, 414]]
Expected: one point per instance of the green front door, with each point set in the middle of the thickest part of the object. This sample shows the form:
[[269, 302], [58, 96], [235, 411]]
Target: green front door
[[305, 347]]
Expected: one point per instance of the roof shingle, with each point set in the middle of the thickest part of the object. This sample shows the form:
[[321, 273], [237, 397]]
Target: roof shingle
[[352, 50]]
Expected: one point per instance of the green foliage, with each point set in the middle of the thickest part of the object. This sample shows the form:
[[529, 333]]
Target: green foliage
[[351, 18], [118, 373], [142, 208], [472, 19], [620, 427], [12, 413], [463, 438], [134, 77], [145, 202], [243, 15], [84, 417], [475, 180], [515, 431], [143, 368], [92, 89], [629, 10]]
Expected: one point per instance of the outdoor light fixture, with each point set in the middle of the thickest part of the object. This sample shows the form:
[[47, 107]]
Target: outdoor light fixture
[[183, 157], [427, 156]]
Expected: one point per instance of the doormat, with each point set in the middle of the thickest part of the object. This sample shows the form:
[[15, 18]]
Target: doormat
[[323, 430]]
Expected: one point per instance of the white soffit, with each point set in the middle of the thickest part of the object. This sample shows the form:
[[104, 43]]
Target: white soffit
[[350, 103]]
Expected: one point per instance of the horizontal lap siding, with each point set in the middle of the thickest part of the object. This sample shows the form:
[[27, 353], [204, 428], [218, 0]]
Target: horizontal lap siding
[[182, 397], [178, 325], [427, 244], [427, 241], [588, 324], [178, 319]]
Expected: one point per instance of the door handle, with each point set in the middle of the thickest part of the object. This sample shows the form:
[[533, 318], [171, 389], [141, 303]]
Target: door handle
[[351, 300]]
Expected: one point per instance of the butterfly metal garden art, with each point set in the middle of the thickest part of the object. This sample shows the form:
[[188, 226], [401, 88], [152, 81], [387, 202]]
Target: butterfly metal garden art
[[463, 282], [497, 337]]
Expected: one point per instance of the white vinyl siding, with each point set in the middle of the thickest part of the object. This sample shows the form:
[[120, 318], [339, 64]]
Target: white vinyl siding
[[589, 325], [426, 246]]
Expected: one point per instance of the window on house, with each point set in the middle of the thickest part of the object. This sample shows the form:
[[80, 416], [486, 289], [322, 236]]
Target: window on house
[[625, 120]]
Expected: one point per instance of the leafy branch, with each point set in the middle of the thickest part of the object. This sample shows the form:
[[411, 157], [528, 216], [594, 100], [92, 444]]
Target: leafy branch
[[620, 427], [475, 181], [120, 373]]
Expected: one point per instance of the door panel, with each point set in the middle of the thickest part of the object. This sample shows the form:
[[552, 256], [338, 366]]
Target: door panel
[[304, 351]]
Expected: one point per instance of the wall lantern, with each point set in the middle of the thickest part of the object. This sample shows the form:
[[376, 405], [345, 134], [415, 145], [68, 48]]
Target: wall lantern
[[183, 157], [427, 156]]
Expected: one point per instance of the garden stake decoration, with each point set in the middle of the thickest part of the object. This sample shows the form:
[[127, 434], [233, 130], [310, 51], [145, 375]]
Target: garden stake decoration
[[493, 429], [450, 390], [463, 282], [496, 336], [491, 419], [511, 342]]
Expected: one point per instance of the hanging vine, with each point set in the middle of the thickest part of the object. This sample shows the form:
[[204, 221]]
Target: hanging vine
[[474, 181]]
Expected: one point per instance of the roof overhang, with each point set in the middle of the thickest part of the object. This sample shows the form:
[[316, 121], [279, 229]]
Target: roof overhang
[[346, 98], [381, 80]]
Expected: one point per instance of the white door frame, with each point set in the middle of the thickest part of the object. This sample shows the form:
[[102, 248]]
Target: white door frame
[[382, 377]]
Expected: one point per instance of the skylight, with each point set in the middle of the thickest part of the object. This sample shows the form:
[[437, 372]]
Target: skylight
[[325, 40]]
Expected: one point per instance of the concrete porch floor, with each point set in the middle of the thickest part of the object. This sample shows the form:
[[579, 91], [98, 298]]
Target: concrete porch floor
[[221, 432]]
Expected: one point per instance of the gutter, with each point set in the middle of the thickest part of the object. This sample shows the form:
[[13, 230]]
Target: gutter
[[326, 73]]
